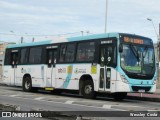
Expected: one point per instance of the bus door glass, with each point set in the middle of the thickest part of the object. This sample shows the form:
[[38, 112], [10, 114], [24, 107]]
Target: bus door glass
[[14, 62], [107, 61], [51, 64]]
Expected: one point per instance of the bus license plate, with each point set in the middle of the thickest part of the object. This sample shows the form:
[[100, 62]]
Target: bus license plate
[[142, 91]]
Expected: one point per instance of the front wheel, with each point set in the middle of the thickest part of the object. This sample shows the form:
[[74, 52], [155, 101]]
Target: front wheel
[[88, 89], [119, 95]]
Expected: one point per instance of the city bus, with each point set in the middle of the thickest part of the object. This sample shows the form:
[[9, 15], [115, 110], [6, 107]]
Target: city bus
[[114, 63]]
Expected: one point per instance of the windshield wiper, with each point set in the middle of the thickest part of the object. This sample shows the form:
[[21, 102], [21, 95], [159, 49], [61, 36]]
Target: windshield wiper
[[146, 49], [135, 52]]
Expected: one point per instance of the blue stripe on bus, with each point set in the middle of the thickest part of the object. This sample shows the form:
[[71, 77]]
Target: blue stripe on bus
[[68, 78]]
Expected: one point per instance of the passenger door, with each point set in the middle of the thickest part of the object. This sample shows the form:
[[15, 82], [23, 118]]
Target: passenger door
[[107, 62], [51, 64], [14, 62]]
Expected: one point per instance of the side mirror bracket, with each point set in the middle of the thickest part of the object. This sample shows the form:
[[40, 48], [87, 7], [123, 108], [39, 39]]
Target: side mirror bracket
[[121, 48]]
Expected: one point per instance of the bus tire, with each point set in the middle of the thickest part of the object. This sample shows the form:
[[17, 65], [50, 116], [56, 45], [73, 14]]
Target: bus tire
[[119, 96], [87, 90], [27, 84]]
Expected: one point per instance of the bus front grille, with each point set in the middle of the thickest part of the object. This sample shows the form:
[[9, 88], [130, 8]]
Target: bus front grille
[[137, 88]]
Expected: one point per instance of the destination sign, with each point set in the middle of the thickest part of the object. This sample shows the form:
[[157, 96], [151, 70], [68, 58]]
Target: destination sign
[[133, 40]]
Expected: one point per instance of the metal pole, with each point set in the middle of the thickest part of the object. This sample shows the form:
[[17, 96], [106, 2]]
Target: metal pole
[[82, 32], [21, 39], [158, 54], [105, 30], [158, 41], [159, 29], [155, 29], [153, 26], [158, 46], [33, 39]]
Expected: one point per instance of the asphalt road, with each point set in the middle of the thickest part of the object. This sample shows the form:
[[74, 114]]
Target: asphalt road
[[45, 101]]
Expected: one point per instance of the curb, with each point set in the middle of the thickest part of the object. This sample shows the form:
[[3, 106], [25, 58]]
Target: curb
[[2, 84], [6, 107], [143, 98]]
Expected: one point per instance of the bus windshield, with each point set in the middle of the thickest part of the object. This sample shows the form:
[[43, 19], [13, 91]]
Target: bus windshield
[[138, 59]]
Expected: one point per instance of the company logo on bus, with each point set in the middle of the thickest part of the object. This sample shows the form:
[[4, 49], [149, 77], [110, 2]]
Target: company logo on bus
[[80, 71], [62, 70]]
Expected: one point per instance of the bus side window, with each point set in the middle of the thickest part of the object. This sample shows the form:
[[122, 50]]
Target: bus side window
[[7, 60], [35, 55], [24, 56], [85, 52], [62, 53], [14, 58], [49, 57], [70, 53]]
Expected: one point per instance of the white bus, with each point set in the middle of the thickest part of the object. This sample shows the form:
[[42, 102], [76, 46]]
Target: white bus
[[114, 63]]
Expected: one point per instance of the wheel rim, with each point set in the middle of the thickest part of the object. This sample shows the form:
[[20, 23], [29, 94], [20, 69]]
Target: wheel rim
[[88, 89], [27, 85]]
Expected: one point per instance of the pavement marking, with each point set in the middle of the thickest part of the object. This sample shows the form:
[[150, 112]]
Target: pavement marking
[[128, 106], [13, 95], [107, 106], [69, 102], [38, 98], [153, 110]]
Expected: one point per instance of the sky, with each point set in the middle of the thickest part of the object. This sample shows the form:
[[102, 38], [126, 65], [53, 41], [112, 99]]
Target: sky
[[47, 19]]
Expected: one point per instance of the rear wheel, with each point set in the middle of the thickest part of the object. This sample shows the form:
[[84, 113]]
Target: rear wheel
[[27, 84], [88, 90], [119, 95]]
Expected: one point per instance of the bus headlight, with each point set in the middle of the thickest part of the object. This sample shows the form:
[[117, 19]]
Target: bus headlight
[[124, 79], [155, 80]]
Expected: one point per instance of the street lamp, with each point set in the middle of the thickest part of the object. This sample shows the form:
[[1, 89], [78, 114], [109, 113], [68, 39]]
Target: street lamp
[[158, 37], [105, 30], [158, 43], [149, 19]]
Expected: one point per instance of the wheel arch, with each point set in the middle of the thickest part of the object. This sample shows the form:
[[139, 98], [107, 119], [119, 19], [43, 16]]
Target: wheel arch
[[83, 78], [26, 75]]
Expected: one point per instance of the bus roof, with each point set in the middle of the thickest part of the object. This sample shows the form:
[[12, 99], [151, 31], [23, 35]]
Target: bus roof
[[58, 40], [61, 39], [94, 36], [29, 44]]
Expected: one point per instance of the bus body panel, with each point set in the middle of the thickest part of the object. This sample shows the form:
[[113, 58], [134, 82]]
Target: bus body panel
[[6, 75], [68, 75]]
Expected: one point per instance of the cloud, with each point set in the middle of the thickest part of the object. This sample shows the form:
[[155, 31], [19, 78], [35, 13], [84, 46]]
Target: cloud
[[22, 7], [62, 16]]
